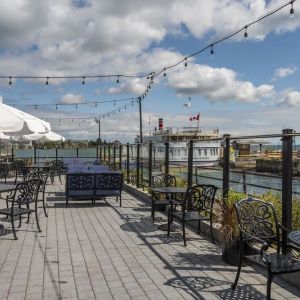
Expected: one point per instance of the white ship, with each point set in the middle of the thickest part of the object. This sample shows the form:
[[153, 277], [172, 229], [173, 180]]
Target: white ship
[[206, 152]]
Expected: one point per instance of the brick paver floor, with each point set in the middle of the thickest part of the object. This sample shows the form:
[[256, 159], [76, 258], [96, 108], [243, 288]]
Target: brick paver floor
[[103, 252]]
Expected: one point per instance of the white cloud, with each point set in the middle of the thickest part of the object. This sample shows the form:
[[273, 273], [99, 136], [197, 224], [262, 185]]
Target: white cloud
[[291, 98], [133, 86], [65, 37], [283, 72], [71, 98], [217, 84]]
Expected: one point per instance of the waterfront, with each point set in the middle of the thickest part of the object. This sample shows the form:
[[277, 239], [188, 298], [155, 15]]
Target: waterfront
[[255, 182]]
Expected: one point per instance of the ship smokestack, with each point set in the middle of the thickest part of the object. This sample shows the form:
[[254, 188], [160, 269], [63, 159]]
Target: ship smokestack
[[160, 123]]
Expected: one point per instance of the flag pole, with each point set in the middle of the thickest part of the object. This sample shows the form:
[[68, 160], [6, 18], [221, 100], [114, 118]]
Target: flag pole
[[198, 119]]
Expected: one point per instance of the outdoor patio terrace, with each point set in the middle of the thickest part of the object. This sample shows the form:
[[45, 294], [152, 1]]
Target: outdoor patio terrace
[[104, 251]]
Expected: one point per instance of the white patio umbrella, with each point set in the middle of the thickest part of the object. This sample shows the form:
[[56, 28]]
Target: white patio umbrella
[[42, 137], [16, 122], [4, 136]]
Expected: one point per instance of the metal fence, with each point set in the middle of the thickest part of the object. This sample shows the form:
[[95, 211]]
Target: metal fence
[[139, 162]]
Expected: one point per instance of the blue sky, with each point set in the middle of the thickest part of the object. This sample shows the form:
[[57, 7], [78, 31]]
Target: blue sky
[[249, 86]]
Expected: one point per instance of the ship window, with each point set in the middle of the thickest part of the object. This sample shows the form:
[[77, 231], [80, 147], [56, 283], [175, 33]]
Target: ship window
[[199, 152], [205, 152], [217, 151], [185, 152], [211, 152]]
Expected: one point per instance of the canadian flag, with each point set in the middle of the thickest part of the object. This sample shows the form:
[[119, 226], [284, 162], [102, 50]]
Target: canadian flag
[[195, 118]]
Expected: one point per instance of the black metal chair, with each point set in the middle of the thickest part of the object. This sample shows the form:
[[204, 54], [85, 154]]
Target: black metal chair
[[18, 202], [161, 180], [56, 169], [197, 205], [43, 176], [258, 224], [4, 172]]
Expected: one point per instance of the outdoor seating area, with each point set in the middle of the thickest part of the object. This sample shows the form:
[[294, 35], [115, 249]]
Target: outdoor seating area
[[104, 251]]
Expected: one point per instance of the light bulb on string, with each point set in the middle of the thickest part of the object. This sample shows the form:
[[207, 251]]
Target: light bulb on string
[[132, 103], [292, 12], [56, 107], [118, 79], [10, 82], [83, 80], [76, 106], [165, 74], [47, 81], [246, 33], [114, 102], [212, 52]]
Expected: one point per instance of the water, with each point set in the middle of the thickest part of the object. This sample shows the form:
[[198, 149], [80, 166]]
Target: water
[[254, 181], [42, 155]]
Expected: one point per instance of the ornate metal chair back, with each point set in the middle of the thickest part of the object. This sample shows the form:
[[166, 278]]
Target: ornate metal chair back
[[258, 219], [40, 175], [200, 198], [163, 180], [4, 170], [26, 192]]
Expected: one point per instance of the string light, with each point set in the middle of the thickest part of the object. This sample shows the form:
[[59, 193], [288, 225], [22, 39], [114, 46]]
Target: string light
[[165, 74], [185, 63], [47, 80], [83, 80], [146, 75], [246, 33], [292, 9], [10, 81], [76, 106], [212, 50], [56, 106], [118, 79]]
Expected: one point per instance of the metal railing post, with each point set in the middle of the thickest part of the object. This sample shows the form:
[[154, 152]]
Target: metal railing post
[[190, 162], [287, 177], [109, 153], [77, 152], [104, 152], [167, 158], [12, 154], [150, 165], [138, 165], [97, 152], [114, 153], [120, 156], [128, 163], [56, 154], [226, 164], [244, 183], [34, 154], [100, 157]]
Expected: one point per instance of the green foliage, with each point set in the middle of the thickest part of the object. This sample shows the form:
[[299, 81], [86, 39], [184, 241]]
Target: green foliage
[[225, 213]]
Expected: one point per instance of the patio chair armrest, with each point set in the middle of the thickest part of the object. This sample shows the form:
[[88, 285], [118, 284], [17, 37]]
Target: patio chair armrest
[[264, 243], [284, 228]]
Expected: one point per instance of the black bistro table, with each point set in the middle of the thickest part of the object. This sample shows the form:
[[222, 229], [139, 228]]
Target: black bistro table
[[6, 188], [172, 191], [294, 237]]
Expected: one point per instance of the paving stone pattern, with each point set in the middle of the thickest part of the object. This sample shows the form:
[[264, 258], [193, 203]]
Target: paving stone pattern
[[104, 252]]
